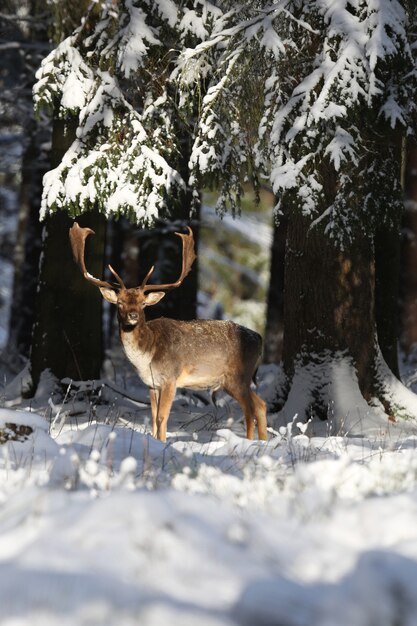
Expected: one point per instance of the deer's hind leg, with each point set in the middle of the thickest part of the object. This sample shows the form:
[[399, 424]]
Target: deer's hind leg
[[260, 414], [252, 406], [242, 395]]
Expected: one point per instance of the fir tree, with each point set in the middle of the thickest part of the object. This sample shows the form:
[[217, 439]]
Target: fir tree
[[338, 82]]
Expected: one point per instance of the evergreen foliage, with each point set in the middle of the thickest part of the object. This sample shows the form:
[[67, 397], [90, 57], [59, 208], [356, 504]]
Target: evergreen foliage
[[338, 82], [113, 73]]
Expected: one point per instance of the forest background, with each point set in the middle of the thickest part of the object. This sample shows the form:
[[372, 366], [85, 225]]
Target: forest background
[[144, 110], [143, 107]]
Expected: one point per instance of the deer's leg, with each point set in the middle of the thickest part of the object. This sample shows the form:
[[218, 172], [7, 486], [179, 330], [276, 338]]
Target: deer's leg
[[260, 414], [243, 396], [154, 395], [166, 398], [252, 406], [248, 409]]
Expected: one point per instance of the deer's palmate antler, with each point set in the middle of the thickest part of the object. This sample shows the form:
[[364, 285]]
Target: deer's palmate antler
[[200, 354], [77, 237]]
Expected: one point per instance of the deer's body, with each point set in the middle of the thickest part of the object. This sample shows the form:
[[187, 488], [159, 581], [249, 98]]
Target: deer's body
[[200, 354]]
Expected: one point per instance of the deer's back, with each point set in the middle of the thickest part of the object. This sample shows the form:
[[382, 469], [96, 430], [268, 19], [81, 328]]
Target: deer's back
[[204, 353]]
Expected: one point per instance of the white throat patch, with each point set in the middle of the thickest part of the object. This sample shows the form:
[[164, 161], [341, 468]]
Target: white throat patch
[[139, 359]]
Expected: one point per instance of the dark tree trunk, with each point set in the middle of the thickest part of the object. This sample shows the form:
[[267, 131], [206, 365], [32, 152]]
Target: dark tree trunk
[[409, 254], [274, 328], [329, 302], [67, 336], [18, 75], [387, 273], [341, 302], [389, 161]]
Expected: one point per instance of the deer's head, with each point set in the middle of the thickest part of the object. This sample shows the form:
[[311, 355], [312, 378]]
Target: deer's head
[[130, 302]]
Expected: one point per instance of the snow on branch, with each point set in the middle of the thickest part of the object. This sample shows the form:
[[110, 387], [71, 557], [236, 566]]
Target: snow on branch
[[119, 172], [120, 159], [285, 89], [112, 163], [65, 77], [115, 75], [327, 70], [341, 148]]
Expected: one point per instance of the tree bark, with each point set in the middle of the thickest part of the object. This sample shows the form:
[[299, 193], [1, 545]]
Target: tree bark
[[274, 327], [388, 189], [67, 338], [329, 302], [387, 275], [67, 335], [18, 69], [409, 254], [333, 361]]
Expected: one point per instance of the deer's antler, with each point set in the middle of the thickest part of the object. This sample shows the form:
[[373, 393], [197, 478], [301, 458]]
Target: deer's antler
[[77, 237], [188, 258]]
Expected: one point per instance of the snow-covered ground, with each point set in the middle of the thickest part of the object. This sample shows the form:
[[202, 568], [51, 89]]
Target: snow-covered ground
[[102, 525]]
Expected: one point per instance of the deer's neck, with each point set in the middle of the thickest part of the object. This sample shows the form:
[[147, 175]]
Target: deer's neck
[[139, 345], [139, 337]]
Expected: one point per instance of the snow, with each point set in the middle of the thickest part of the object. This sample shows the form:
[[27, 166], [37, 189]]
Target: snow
[[168, 11], [102, 524], [306, 114], [341, 143], [192, 23], [118, 154], [134, 39], [270, 40], [64, 71]]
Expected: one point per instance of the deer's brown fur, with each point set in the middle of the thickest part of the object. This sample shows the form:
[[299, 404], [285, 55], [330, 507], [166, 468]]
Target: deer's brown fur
[[167, 354]]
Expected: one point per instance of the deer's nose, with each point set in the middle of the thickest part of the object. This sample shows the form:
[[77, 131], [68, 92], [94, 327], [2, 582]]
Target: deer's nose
[[133, 316]]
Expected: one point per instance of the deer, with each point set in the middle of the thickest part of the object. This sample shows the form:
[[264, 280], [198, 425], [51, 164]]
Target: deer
[[168, 353]]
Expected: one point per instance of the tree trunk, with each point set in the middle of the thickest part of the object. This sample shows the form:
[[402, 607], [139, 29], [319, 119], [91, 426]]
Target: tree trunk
[[18, 75], [387, 186], [387, 274], [274, 327], [67, 336], [329, 304], [334, 366], [409, 254]]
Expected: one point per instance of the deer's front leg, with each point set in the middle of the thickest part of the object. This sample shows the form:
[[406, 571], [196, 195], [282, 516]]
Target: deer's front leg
[[154, 395], [166, 398]]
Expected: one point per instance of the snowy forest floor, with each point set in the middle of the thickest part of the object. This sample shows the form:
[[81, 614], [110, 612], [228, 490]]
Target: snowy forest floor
[[100, 524]]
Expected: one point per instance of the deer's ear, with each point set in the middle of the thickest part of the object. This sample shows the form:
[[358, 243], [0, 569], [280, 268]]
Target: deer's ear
[[109, 295], [153, 298]]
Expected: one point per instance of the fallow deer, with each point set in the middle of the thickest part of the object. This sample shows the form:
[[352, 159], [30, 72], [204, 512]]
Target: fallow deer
[[199, 354]]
